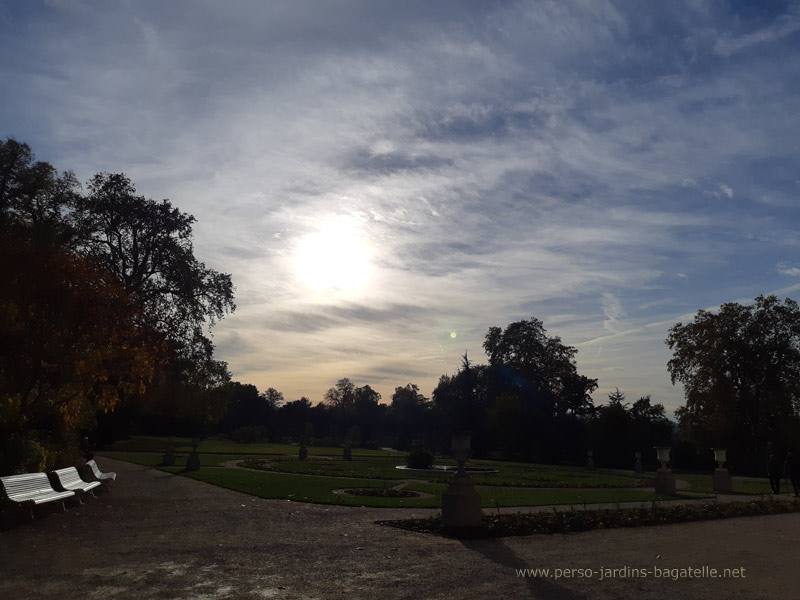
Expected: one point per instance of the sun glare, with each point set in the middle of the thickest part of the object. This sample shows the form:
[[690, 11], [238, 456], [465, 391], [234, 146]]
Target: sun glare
[[334, 259]]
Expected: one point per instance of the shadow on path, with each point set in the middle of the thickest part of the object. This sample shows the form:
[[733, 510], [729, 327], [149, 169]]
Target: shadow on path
[[539, 587]]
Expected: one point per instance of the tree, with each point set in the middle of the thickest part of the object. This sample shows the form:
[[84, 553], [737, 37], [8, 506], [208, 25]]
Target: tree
[[740, 369], [293, 417], [102, 301], [69, 347], [33, 193], [539, 370], [147, 245], [342, 395], [612, 432], [273, 397], [350, 406], [507, 424], [539, 367], [464, 402], [408, 412]]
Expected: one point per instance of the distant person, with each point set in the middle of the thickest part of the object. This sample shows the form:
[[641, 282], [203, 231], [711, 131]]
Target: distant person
[[85, 449], [792, 472], [774, 473]]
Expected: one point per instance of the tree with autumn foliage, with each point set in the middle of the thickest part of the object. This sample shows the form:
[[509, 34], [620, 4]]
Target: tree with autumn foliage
[[102, 302]]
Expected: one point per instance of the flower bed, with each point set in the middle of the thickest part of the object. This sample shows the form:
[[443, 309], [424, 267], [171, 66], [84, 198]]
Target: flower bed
[[502, 525], [382, 493]]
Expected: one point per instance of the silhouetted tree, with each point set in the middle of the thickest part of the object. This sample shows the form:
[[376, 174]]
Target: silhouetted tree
[[102, 301], [541, 372], [463, 401], [33, 193], [147, 245], [612, 432], [293, 417], [740, 369], [540, 367], [408, 413], [342, 395]]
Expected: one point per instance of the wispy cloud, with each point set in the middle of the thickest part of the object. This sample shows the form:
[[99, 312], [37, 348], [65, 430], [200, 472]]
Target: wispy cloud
[[783, 26], [607, 168]]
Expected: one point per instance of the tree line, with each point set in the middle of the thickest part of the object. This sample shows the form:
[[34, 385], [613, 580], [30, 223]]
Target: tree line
[[104, 320], [528, 403], [103, 304]]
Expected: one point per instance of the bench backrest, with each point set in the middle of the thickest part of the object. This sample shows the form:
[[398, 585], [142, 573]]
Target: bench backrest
[[26, 484], [69, 475]]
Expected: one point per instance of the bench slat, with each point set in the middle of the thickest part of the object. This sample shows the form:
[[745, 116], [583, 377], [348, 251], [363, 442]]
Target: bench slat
[[32, 487], [99, 474], [70, 479]]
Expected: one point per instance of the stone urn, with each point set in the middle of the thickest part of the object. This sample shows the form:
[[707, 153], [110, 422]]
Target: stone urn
[[461, 504], [722, 479], [193, 462], [665, 480]]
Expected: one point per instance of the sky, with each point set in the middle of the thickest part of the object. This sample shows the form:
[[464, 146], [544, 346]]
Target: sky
[[385, 180]]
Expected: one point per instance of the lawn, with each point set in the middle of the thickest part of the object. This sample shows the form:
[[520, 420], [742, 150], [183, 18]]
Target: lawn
[[314, 479], [320, 490], [699, 482], [223, 446], [151, 459], [301, 488]]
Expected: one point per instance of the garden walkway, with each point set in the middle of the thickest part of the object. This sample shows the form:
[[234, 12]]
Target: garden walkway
[[159, 535]]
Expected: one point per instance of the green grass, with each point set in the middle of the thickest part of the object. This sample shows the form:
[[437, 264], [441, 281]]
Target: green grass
[[510, 475], [300, 488], [741, 485], [370, 468], [149, 459], [319, 490], [522, 474], [222, 446], [516, 484]]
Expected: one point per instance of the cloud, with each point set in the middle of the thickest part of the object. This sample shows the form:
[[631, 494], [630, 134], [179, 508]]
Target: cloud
[[785, 269], [502, 161], [782, 27]]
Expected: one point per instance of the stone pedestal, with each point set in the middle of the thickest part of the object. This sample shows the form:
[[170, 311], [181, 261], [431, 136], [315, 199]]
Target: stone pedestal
[[665, 482], [461, 504], [638, 468], [193, 462], [169, 457], [722, 480]]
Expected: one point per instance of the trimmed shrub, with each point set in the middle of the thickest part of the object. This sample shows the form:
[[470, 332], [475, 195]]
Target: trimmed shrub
[[250, 434], [419, 458]]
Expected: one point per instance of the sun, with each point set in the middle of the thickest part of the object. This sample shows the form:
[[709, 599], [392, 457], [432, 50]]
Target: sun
[[337, 258]]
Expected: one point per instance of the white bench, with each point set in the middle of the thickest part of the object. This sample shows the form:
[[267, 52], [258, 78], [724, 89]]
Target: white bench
[[70, 479], [99, 475], [32, 489]]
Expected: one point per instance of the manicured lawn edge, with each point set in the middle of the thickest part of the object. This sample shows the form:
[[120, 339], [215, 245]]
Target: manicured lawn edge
[[513, 524]]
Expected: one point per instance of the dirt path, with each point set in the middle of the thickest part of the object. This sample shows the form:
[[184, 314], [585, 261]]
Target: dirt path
[[163, 536]]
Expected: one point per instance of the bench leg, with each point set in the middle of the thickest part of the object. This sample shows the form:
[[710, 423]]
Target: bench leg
[[63, 506]]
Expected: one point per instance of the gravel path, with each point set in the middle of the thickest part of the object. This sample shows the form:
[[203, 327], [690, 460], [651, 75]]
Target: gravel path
[[158, 535]]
